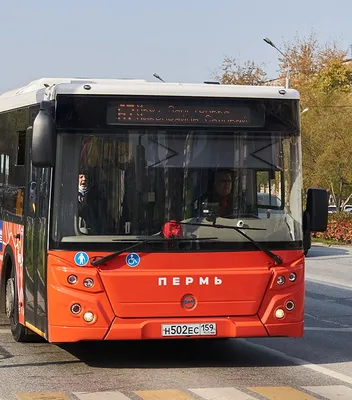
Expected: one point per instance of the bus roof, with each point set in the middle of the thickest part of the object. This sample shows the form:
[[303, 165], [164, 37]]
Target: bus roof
[[48, 88]]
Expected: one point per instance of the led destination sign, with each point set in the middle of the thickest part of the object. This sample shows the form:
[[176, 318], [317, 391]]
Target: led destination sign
[[183, 113]]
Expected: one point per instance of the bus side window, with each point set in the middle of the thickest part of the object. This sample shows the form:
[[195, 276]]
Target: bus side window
[[21, 147]]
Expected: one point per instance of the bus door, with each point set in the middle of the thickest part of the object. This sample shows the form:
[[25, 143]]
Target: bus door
[[35, 241]]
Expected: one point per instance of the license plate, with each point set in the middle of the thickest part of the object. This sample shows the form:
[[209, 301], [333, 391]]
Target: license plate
[[203, 329]]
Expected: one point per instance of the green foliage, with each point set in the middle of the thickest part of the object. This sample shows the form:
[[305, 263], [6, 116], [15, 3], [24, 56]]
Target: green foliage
[[327, 144], [336, 75], [322, 75]]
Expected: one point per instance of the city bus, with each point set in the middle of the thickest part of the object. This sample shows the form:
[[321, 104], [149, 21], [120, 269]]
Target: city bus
[[136, 210]]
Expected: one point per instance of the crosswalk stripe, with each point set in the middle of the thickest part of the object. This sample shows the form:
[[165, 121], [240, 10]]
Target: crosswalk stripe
[[225, 393], [281, 393], [168, 394], [42, 396], [336, 392], [100, 396]]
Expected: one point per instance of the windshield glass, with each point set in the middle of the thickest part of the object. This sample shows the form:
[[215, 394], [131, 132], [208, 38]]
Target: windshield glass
[[129, 183]]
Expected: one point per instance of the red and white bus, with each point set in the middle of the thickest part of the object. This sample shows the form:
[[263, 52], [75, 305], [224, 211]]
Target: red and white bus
[[142, 210]]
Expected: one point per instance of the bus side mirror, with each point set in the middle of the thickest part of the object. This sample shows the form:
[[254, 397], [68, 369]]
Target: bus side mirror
[[317, 209], [44, 137]]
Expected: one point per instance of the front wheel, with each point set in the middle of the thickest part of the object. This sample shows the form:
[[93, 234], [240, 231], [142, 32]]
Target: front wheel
[[19, 332]]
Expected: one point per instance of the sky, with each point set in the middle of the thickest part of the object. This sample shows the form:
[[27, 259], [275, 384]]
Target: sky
[[182, 41]]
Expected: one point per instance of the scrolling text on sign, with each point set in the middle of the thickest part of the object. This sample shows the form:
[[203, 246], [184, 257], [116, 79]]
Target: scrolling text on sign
[[172, 113]]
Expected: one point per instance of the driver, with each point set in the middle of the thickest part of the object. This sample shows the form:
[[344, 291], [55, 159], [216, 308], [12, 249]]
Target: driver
[[222, 194], [222, 191]]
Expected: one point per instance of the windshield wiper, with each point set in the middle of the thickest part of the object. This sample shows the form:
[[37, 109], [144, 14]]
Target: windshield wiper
[[141, 242], [275, 257]]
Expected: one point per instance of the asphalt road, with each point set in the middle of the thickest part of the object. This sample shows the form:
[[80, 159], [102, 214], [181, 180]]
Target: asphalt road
[[318, 366]]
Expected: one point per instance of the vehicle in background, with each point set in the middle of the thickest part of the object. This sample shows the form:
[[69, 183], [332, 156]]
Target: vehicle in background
[[331, 209]]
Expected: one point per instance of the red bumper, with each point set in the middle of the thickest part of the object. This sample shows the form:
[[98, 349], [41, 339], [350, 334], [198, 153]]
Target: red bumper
[[135, 329]]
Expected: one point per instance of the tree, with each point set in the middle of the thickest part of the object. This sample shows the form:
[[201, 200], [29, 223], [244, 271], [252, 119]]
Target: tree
[[233, 73], [336, 75], [323, 77], [320, 73], [306, 58], [327, 146]]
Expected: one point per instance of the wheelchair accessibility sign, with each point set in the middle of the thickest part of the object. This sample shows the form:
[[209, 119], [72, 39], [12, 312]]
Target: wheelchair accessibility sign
[[132, 259]]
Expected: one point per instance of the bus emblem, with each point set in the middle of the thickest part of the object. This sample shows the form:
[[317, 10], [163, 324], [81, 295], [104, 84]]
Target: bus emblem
[[188, 301]]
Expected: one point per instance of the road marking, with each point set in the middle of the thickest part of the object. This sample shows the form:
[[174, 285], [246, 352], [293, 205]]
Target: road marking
[[326, 283], [226, 393], [282, 393], [315, 328], [299, 361], [326, 320], [337, 392], [101, 396], [42, 396], [169, 394]]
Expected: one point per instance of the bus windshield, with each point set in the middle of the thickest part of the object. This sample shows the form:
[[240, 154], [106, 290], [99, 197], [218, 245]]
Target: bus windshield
[[127, 184]]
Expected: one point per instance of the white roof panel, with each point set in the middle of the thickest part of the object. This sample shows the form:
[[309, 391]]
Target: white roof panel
[[47, 88], [177, 89]]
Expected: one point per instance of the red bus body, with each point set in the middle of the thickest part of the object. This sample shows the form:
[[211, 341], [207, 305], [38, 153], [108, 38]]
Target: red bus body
[[240, 297]]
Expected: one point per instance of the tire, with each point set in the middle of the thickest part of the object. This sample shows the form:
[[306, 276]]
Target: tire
[[19, 332]]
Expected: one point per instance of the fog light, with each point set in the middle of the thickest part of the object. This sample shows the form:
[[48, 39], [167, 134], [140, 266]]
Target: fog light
[[88, 316], [76, 308], [279, 313], [280, 280], [72, 279], [292, 277], [290, 305], [88, 282]]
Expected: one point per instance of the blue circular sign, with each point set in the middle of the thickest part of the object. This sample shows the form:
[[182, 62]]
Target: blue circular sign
[[81, 258], [132, 259]]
